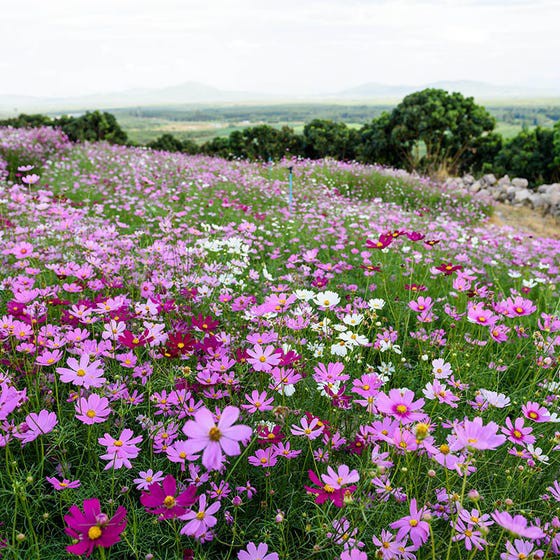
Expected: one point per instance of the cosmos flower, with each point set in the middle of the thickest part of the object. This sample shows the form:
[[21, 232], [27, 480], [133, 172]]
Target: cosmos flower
[[93, 528]]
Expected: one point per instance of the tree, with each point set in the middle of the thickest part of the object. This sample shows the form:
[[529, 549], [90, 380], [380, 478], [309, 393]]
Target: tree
[[376, 144], [531, 154], [93, 127], [166, 143], [324, 138], [435, 129]]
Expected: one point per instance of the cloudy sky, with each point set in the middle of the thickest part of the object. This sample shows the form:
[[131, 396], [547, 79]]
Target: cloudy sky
[[72, 47]]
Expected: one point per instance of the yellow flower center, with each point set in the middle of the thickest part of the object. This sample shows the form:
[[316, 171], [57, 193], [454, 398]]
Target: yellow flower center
[[200, 515], [169, 502], [444, 448], [90, 413], [118, 443], [215, 434], [413, 522], [80, 373], [94, 533], [401, 408]]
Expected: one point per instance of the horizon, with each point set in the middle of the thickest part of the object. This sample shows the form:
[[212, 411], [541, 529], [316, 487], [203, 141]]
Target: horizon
[[65, 49]]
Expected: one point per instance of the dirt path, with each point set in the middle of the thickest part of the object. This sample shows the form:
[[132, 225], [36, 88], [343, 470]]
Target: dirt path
[[527, 220]]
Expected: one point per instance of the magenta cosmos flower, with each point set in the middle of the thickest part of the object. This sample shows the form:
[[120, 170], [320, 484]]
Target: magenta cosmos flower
[[256, 552], [36, 425], [202, 520], [164, 501], [518, 525], [92, 528], [215, 439]]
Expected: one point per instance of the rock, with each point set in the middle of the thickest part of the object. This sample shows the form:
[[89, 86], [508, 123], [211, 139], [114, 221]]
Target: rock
[[521, 196], [538, 202], [475, 187], [520, 183], [505, 180], [468, 179], [489, 179]]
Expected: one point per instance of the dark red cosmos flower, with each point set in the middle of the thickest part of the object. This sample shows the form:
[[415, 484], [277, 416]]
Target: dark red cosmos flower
[[431, 242], [326, 492], [178, 343], [92, 528], [320, 282], [384, 241], [415, 287], [396, 233], [189, 292], [164, 501], [266, 436], [448, 268], [415, 235], [205, 324], [131, 340], [288, 358]]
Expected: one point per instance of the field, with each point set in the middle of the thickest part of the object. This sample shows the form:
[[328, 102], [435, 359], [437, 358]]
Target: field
[[194, 365], [202, 123]]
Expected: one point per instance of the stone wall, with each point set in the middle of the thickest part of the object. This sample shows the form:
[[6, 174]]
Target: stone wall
[[545, 198]]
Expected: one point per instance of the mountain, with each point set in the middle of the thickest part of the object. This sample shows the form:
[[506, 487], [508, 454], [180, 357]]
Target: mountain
[[196, 93], [185, 93]]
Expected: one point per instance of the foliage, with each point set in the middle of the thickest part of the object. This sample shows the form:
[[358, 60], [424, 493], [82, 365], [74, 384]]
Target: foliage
[[324, 138], [531, 154]]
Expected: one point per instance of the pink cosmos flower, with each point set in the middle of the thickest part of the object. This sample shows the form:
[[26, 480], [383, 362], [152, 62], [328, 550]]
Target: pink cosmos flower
[[200, 521], [121, 450], [93, 528], [256, 552], [36, 425], [388, 547], [263, 458], [413, 525], [93, 409], [521, 549], [82, 373], [472, 434], [215, 439], [258, 401], [517, 525], [310, 429], [64, 484], [535, 412], [400, 404], [341, 477], [263, 359], [422, 304], [517, 433], [147, 478], [353, 554]]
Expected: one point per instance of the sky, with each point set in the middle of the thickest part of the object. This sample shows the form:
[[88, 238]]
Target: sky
[[74, 47]]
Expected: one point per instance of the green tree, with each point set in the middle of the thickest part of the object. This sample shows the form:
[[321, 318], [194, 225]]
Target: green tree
[[434, 129], [376, 144], [531, 154], [324, 138], [166, 143], [93, 127]]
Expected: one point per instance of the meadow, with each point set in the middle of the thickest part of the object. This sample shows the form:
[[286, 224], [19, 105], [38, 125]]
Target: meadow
[[192, 365]]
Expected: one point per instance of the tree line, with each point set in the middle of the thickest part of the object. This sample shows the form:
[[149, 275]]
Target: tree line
[[431, 131]]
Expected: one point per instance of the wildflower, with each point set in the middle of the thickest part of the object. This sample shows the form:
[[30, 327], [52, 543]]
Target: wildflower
[[535, 412], [121, 450], [64, 484], [400, 404], [165, 501], [215, 440], [517, 525], [521, 549], [474, 435], [93, 528], [147, 478], [413, 525], [36, 425], [263, 359], [263, 458], [200, 521], [256, 552], [327, 299], [82, 373], [311, 430], [93, 409], [517, 433]]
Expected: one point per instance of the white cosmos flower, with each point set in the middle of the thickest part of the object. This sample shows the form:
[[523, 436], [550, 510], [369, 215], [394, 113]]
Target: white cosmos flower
[[376, 304], [327, 299]]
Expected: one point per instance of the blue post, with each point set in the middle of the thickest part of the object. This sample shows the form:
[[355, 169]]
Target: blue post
[[291, 195]]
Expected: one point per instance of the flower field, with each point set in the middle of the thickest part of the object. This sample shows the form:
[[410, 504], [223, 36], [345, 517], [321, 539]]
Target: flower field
[[190, 367]]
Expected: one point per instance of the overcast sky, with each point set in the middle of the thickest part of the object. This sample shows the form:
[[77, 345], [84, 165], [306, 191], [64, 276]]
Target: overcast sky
[[71, 47]]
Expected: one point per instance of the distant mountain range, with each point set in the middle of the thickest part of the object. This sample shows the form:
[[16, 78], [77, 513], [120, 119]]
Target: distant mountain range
[[198, 93]]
